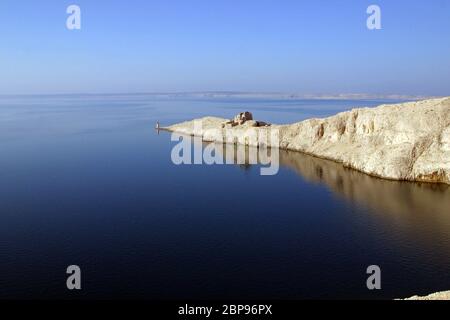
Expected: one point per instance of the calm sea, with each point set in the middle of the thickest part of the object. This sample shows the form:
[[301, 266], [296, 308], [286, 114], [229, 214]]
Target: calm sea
[[86, 180]]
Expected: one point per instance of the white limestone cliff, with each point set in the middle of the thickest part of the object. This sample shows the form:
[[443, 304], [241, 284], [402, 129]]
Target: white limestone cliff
[[405, 141]]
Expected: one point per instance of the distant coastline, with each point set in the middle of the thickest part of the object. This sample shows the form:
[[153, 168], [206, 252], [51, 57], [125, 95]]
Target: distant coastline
[[241, 95]]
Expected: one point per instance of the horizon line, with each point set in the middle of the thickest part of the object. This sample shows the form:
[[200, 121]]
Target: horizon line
[[230, 93]]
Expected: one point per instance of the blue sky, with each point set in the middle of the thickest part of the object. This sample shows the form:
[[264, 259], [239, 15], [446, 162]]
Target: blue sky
[[220, 45]]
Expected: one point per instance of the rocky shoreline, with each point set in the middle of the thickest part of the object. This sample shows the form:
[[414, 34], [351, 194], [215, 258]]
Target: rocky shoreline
[[406, 141], [442, 295]]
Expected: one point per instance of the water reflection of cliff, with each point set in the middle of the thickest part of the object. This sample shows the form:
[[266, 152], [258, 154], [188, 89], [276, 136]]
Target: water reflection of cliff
[[401, 198], [396, 199]]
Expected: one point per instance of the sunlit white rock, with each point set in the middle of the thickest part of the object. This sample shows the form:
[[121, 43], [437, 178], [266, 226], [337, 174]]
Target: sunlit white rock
[[406, 141]]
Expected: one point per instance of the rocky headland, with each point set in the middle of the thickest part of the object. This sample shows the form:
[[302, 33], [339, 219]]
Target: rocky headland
[[406, 141]]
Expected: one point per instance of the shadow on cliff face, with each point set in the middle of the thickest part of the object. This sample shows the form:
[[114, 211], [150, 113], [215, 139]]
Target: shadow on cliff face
[[424, 205]]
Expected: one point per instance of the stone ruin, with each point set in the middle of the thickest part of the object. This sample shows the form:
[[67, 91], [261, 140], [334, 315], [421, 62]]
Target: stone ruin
[[244, 118]]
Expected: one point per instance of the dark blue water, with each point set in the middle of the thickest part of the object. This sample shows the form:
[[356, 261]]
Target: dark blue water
[[86, 180]]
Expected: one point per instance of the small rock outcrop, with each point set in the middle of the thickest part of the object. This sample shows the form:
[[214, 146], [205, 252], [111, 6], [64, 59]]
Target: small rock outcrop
[[406, 141], [244, 118]]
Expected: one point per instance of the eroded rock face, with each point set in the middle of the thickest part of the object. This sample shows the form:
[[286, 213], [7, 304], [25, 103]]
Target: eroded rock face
[[406, 141]]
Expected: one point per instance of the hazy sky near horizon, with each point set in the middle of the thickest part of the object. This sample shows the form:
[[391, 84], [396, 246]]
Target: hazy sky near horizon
[[214, 45]]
